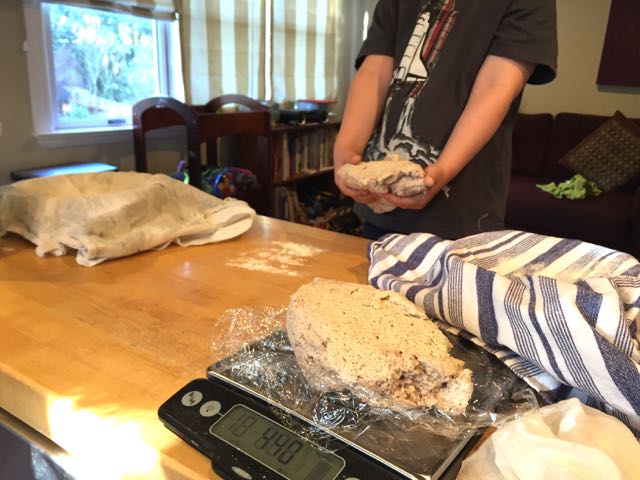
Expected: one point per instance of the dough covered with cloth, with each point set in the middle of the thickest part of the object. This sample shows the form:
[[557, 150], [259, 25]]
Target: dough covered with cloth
[[115, 214]]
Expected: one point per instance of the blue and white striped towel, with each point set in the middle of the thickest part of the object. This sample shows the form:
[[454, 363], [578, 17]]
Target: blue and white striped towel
[[562, 314]]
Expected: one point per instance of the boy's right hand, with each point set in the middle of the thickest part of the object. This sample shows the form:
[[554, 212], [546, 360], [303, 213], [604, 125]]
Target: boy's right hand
[[341, 157]]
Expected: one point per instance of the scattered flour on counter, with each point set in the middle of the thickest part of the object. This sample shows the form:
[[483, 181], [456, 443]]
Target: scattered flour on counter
[[281, 258]]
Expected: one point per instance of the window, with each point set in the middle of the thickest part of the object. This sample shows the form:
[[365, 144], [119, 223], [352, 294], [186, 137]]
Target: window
[[87, 67]]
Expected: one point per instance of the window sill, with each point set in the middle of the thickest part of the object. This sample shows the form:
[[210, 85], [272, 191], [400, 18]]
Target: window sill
[[96, 136], [84, 136]]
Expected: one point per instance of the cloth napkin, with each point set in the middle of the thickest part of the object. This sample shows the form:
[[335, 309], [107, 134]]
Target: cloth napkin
[[562, 314], [115, 214]]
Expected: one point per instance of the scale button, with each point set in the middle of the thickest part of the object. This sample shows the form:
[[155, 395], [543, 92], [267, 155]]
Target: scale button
[[210, 408], [191, 398], [241, 473]]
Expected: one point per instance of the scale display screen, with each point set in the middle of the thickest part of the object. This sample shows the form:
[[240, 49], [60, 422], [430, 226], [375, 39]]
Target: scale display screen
[[276, 447]]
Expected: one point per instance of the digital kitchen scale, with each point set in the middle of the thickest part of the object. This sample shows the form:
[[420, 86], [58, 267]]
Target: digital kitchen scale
[[256, 418]]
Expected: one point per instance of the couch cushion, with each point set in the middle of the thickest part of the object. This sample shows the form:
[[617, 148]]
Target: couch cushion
[[609, 156], [604, 220], [531, 143]]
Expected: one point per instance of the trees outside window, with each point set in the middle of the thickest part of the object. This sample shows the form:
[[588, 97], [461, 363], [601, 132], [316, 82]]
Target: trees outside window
[[103, 62], [88, 66]]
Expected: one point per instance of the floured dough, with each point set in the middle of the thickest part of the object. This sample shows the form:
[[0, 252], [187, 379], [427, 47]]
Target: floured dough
[[347, 334], [391, 175]]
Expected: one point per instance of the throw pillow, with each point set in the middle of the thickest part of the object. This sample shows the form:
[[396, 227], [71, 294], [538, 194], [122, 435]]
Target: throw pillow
[[609, 156]]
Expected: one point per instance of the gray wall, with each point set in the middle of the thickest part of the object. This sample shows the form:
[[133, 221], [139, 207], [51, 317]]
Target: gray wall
[[352, 36], [581, 30]]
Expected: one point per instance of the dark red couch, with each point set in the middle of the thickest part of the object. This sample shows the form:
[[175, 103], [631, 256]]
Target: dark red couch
[[539, 141]]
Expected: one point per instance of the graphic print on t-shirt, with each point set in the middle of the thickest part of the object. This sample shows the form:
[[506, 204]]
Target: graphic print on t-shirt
[[435, 20]]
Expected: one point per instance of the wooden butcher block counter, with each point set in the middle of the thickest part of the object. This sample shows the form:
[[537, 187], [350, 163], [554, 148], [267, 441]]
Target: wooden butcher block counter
[[87, 355]]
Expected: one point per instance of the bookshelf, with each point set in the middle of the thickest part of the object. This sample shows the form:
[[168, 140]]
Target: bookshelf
[[302, 178], [301, 151], [292, 164], [289, 166]]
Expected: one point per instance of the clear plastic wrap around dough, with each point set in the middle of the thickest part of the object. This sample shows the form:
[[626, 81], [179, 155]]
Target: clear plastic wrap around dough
[[251, 346]]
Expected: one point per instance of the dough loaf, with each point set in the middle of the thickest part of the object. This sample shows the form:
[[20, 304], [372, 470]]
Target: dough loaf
[[347, 334], [391, 175]]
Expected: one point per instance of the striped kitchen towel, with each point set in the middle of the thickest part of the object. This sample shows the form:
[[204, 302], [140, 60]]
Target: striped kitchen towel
[[563, 314]]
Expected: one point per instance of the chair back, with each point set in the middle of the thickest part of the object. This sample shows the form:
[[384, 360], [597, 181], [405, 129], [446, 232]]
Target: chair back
[[251, 145], [254, 120], [206, 124], [154, 113]]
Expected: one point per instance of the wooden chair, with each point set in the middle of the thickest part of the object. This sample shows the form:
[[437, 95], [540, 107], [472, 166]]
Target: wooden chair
[[160, 112], [252, 148], [205, 124]]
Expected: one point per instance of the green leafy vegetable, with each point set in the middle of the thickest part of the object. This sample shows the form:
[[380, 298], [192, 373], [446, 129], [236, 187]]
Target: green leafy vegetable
[[576, 188]]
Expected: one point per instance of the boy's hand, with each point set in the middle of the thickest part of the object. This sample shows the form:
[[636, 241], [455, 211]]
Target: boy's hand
[[340, 158], [418, 202]]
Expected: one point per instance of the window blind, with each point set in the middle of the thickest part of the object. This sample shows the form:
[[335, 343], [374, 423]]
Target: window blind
[[306, 36], [158, 9], [228, 47], [223, 45]]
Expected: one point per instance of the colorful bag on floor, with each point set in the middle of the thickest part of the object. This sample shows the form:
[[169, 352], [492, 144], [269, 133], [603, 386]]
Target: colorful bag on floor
[[222, 182]]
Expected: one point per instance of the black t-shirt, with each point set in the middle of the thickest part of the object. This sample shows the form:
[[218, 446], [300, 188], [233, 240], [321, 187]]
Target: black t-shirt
[[438, 47]]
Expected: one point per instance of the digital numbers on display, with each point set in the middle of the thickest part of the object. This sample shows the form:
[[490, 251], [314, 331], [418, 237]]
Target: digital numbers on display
[[275, 446]]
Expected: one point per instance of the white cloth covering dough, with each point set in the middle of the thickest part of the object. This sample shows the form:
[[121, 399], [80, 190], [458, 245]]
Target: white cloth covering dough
[[115, 214], [393, 174]]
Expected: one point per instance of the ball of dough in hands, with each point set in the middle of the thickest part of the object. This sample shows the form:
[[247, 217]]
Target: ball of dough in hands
[[393, 174]]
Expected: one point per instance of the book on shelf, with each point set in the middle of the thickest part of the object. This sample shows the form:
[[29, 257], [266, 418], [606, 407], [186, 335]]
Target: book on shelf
[[316, 208], [302, 152], [288, 207]]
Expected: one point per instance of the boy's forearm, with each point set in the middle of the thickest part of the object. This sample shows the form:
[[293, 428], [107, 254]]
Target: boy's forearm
[[498, 83], [365, 102]]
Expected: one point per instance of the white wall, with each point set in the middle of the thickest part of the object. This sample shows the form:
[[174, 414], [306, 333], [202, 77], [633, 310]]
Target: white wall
[[581, 31]]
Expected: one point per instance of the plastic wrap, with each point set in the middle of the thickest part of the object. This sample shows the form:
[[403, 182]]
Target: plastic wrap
[[564, 435], [251, 347], [43, 467]]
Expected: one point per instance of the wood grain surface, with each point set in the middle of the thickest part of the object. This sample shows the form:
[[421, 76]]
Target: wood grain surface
[[87, 355]]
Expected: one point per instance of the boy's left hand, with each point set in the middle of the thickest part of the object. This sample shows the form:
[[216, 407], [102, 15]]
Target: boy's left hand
[[418, 202]]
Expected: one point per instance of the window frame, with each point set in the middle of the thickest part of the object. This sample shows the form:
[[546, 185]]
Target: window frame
[[41, 82]]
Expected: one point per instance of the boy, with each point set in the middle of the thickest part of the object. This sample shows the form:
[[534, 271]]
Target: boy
[[439, 82]]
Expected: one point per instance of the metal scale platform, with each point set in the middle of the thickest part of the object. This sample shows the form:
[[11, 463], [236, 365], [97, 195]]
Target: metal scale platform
[[256, 417]]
